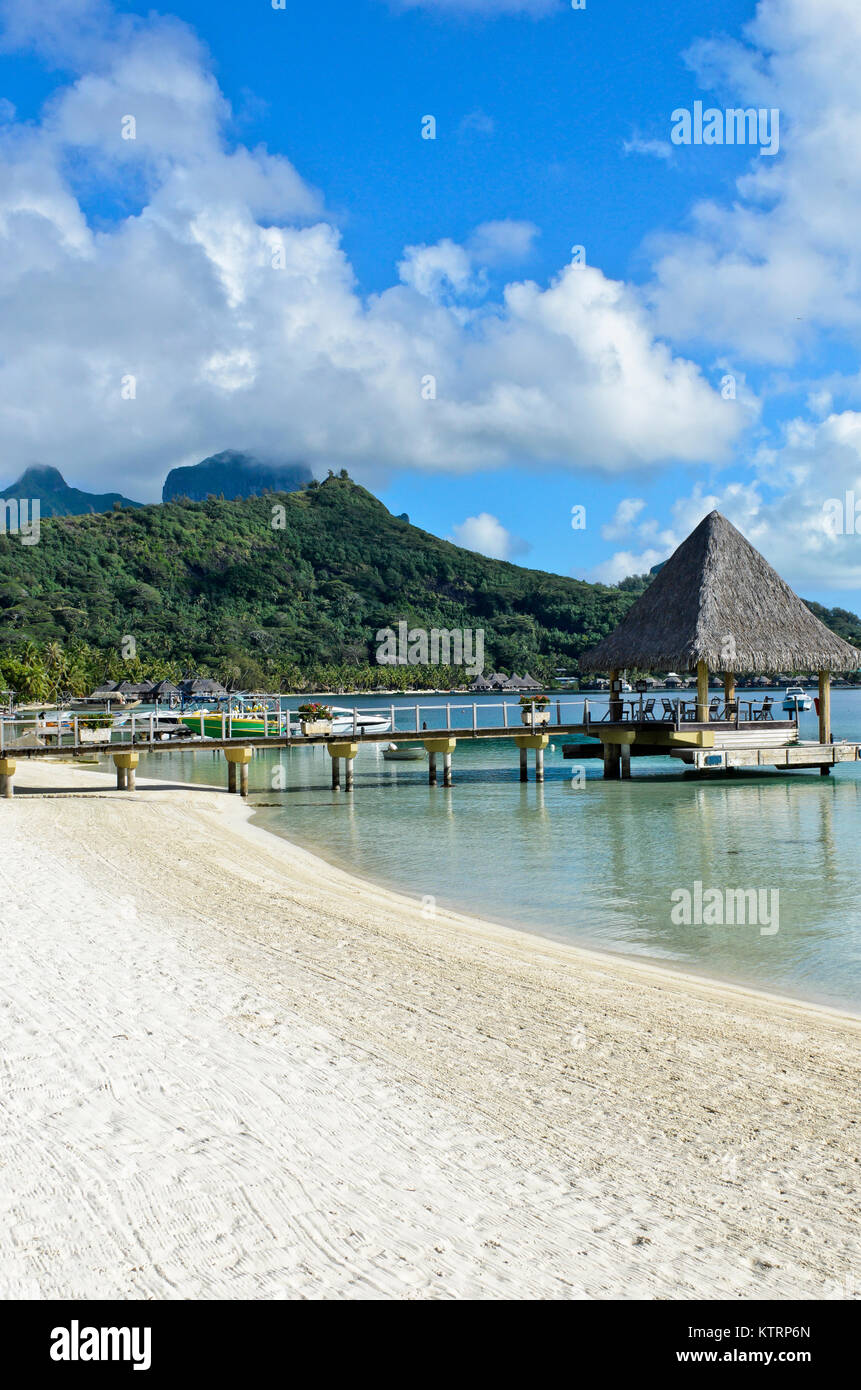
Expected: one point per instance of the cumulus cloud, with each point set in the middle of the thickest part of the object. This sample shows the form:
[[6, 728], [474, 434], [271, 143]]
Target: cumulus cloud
[[486, 534], [226, 295], [658, 149], [763, 273], [800, 506]]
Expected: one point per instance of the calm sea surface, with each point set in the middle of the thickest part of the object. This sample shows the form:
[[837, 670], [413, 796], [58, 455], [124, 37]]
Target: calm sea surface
[[595, 864]]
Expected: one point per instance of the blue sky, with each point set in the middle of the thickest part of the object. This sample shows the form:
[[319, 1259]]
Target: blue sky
[[278, 261]]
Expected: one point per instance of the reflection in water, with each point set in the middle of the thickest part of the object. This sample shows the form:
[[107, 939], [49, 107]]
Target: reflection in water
[[595, 864]]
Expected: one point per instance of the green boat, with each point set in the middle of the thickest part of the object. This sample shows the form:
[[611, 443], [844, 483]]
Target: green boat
[[216, 725]]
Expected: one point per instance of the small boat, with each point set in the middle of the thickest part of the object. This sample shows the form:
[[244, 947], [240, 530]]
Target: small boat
[[232, 724], [796, 697], [410, 754], [366, 722], [163, 727]]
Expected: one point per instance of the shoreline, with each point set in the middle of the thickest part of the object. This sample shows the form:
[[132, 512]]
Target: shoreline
[[366, 1103]]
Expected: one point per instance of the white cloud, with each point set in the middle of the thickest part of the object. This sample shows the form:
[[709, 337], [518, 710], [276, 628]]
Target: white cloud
[[624, 563], [487, 535], [497, 243], [659, 149], [228, 296], [783, 510], [624, 517], [478, 121], [783, 260]]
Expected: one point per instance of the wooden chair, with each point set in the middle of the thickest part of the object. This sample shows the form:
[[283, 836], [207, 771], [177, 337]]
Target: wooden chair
[[669, 709], [649, 709], [764, 712]]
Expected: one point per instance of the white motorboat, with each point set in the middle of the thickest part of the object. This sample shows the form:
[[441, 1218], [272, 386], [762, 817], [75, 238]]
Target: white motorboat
[[796, 698], [365, 722]]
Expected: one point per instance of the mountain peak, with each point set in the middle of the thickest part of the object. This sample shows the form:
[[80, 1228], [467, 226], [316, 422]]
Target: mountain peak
[[233, 474], [41, 475]]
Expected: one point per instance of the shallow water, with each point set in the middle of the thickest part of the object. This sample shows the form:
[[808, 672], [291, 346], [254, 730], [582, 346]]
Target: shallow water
[[595, 864]]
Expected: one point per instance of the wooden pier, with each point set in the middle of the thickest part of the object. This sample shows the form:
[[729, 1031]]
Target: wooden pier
[[703, 746]]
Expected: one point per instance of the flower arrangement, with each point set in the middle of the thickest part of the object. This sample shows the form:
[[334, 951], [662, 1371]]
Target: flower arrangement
[[535, 700], [313, 710]]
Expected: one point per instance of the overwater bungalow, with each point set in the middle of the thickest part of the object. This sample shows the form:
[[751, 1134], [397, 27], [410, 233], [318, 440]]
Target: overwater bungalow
[[715, 606]]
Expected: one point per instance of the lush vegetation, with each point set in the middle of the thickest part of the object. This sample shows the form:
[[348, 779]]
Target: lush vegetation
[[281, 591], [284, 590]]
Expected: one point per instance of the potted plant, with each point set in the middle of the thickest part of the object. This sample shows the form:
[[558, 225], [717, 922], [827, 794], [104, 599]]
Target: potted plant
[[96, 728], [315, 719], [535, 709]]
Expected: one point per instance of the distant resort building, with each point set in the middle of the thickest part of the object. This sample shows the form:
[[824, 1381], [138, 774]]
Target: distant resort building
[[513, 684]]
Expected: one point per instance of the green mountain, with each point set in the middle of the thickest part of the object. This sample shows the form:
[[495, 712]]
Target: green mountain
[[288, 589], [56, 498], [231, 475], [274, 586]]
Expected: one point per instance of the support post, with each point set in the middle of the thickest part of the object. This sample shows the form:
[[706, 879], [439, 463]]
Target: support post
[[728, 687], [625, 761], [615, 698], [7, 773], [125, 763], [238, 758], [346, 751], [824, 706], [446, 747], [537, 741], [612, 762], [702, 693]]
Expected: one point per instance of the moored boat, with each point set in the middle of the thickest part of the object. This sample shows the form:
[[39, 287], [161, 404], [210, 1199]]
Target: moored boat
[[796, 697]]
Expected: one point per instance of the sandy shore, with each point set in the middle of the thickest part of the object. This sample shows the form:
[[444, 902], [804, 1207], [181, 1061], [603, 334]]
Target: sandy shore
[[230, 1071]]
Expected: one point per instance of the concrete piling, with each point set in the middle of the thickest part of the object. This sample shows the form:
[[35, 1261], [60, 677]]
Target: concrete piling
[[238, 759], [446, 747], [538, 742], [7, 773], [347, 752], [125, 764]]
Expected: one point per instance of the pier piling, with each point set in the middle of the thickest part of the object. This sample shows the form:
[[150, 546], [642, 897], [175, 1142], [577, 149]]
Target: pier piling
[[446, 747], [7, 772], [238, 760], [125, 764], [347, 752]]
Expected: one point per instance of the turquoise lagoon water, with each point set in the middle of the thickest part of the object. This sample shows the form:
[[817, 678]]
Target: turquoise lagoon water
[[595, 864]]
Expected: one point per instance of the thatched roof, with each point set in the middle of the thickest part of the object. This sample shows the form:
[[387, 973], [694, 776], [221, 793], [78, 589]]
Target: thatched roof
[[717, 600]]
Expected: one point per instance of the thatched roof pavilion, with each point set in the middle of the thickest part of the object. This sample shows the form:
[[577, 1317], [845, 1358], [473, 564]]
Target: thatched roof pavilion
[[717, 604], [718, 601]]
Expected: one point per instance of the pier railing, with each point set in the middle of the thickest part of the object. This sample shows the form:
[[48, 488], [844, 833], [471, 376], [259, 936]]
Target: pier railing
[[82, 732]]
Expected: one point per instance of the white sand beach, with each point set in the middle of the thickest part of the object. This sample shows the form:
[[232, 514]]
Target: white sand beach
[[231, 1071]]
